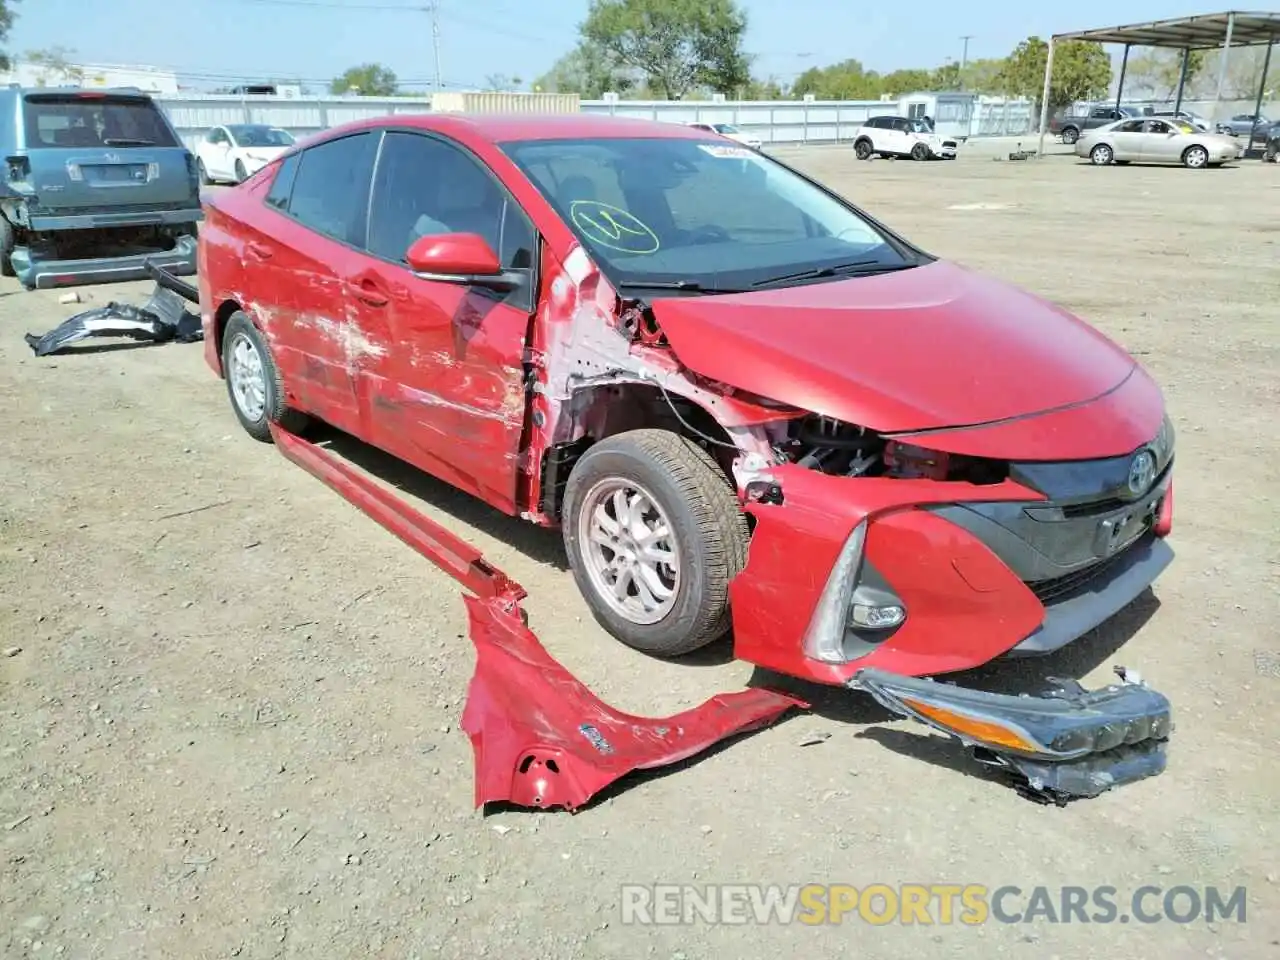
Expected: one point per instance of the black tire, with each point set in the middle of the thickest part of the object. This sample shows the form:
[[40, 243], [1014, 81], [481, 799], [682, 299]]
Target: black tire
[[7, 241], [274, 409], [863, 150], [919, 152], [1273, 153], [241, 173], [204, 174], [1195, 157], [1070, 135], [709, 528], [1101, 155]]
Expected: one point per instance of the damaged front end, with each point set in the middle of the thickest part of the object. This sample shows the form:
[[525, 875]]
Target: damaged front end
[[1068, 743]]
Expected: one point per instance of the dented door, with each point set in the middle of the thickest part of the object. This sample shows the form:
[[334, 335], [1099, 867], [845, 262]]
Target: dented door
[[447, 392]]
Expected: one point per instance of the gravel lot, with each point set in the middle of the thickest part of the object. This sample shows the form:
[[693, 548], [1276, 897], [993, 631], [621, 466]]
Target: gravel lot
[[232, 726]]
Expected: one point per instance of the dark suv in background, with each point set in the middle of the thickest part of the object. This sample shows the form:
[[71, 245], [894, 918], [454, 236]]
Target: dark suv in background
[[97, 182], [1070, 124]]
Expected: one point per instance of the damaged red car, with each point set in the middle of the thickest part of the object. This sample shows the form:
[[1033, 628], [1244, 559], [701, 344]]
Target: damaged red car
[[747, 403]]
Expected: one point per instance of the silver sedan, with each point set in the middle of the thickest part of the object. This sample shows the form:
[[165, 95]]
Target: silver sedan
[[1156, 141]]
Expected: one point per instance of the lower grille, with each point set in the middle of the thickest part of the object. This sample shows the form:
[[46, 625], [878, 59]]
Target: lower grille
[[1047, 591]]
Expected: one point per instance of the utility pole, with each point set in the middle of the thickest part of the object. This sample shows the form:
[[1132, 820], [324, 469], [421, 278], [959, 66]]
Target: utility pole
[[964, 59], [435, 39]]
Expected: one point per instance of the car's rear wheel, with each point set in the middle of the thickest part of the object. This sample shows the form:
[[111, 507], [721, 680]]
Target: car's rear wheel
[[254, 383], [1101, 155], [241, 173], [862, 150], [919, 152], [1070, 135], [1195, 157], [1273, 153], [654, 534]]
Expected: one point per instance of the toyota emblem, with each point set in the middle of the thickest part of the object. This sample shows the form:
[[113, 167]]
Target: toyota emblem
[[1142, 469]]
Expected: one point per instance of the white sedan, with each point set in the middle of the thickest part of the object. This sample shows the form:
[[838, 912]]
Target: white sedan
[[236, 151], [730, 131]]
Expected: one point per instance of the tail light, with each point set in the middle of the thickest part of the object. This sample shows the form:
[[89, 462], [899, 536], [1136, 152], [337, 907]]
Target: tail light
[[19, 168], [916, 463]]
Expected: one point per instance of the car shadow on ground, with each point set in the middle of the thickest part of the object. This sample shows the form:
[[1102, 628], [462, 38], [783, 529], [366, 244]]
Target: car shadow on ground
[[537, 543]]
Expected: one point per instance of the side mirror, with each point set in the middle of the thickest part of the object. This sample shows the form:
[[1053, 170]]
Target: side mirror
[[463, 258]]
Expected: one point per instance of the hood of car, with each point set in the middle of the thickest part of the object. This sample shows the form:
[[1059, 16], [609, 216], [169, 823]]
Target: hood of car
[[919, 349]]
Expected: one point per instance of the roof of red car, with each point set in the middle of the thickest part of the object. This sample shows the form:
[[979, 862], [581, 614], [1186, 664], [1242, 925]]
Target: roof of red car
[[499, 128]]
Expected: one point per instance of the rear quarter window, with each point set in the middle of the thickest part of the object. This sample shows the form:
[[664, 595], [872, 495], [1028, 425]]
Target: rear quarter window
[[75, 120]]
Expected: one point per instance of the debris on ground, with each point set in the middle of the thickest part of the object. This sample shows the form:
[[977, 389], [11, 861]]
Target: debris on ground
[[163, 318]]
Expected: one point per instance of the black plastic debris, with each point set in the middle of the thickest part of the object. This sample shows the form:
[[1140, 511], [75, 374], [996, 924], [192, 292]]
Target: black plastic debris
[[163, 318]]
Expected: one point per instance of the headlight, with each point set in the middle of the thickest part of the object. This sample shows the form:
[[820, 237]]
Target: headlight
[[1162, 445]]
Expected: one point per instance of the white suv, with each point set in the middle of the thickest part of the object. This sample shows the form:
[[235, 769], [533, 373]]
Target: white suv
[[901, 137]]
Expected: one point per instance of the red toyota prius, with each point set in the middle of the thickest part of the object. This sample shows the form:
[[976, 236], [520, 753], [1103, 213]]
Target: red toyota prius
[[746, 402]]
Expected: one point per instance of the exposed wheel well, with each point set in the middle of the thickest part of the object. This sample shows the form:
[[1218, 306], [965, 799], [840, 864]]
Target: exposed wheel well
[[220, 318], [604, 411]]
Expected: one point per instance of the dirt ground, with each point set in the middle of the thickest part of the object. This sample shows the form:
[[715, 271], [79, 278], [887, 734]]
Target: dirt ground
[[232, 727]]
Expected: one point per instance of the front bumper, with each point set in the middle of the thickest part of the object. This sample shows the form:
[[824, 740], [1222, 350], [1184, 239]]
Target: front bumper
[[40, 274], [965, 602]]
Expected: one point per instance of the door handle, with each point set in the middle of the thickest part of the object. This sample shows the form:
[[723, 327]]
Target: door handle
[[370, 293], [260, 251]]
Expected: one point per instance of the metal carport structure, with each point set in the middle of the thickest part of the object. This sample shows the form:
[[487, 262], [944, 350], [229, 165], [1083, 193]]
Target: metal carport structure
[[1211, 31]]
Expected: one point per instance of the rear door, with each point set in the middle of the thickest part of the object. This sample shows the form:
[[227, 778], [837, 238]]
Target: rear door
[[448, 394], [1126, 140], [311, 234], [104, 150]]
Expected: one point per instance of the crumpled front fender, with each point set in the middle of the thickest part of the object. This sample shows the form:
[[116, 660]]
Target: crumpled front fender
[[964, 606], [542, 739]]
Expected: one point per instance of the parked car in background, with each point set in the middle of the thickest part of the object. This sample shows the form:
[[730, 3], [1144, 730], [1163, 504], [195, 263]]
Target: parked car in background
[[1197, 121], [730, 131], [1152, 140], [1070, 125], [1242, 123], [627, 330], [97, 182], [236, 151], [895, 136]]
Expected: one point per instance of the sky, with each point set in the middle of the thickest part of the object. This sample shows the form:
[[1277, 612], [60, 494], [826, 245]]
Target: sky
[[220, 42]]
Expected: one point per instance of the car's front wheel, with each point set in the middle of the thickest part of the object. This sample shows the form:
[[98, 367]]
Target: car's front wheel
[[204, 174], [241, 173], [919, 152], [1101, 155], [254, 383], [1195, 157], [654, 535]]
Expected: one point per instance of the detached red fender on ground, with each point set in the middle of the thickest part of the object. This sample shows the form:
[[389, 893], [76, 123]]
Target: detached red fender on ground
[[541, 738]]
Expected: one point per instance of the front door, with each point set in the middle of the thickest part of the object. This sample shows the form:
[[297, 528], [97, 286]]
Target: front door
[[449, 394], [1160, 142], [319, 233]]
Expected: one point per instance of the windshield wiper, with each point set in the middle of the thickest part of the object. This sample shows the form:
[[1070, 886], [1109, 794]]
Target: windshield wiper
[[691, 286], [857, 268], [128, 142]]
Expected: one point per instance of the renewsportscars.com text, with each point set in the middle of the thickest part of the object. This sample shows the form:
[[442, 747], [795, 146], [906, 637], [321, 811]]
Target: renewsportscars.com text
[[926, 904]]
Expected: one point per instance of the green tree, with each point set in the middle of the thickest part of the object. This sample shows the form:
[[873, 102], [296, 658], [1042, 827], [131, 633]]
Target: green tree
[[1158, 72], [677, 45], [945, 77], [54, 67], [847, 80], [368, 80], [906, 81], [7, 17], [1081, 71], [587, 70]]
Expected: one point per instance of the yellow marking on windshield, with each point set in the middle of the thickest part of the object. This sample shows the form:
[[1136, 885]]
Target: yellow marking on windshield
[[613, 227]]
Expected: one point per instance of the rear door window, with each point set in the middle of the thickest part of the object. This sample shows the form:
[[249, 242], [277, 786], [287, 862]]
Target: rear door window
[[282, 186], [331, 187], [94, 120]]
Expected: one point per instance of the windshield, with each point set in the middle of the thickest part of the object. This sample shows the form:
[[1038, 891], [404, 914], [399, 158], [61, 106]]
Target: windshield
[[260, 136], [94, 120], [726, 128], [1184, 127], [676, 211]]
